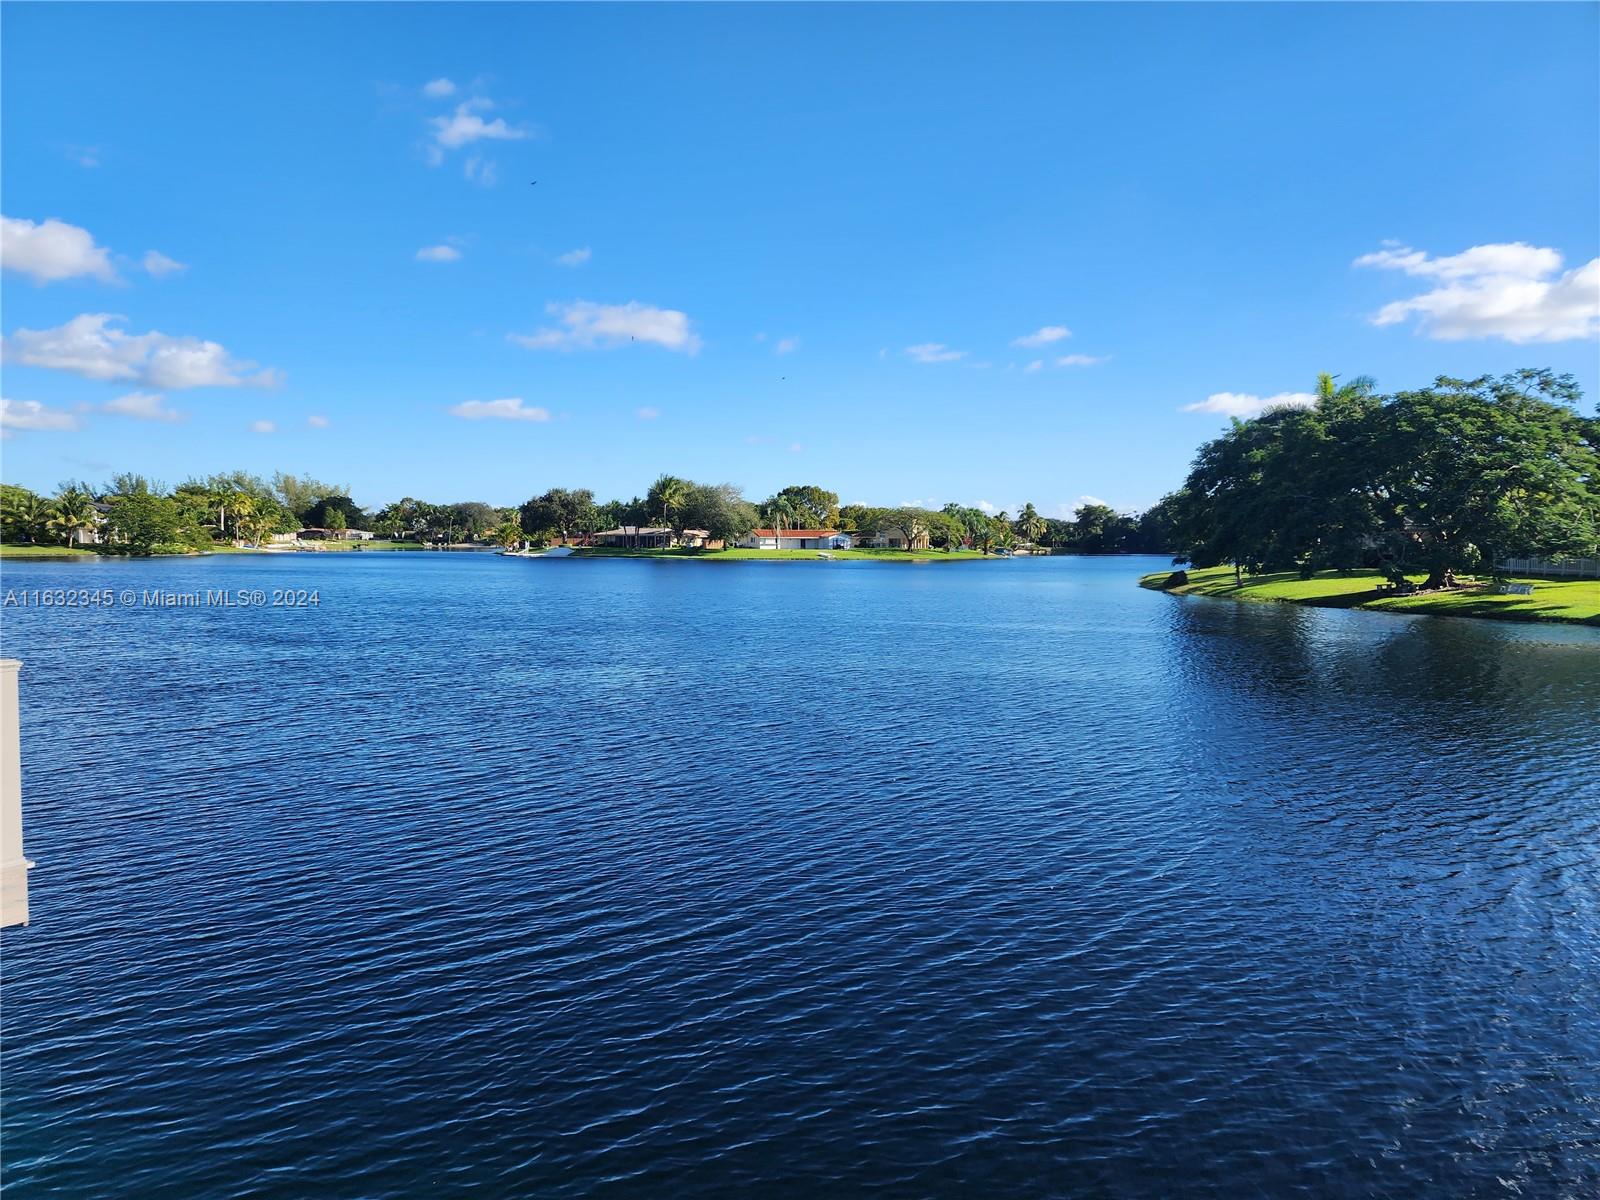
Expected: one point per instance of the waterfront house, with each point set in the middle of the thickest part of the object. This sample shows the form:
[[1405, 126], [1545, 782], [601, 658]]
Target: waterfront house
[[893, 537], [651, 537], [635, 537], [796, 539]]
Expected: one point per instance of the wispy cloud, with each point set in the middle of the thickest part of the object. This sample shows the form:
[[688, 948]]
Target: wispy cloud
[[1242, 404], [585, 325], [143, 406], [52, 250], [1036, 365], [933, 352], [317, 422], [574, 258], [509, 409], [464, 127], [1081, 360], [439, 254], [160, 266], [435, 89], [263, 427], [1043, 336], [84, 156], [648, 414], [1507, 290], [484, 172], [786, 345], [36, 417], [89, 345]]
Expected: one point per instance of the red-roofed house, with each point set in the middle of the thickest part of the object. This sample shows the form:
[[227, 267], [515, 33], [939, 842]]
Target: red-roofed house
[[795, 539]]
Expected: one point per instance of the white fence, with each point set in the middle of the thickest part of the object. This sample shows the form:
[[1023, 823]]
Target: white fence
[[13, 866], [1567, 568]]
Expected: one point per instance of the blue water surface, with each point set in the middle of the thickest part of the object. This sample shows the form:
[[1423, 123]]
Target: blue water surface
[[501, 877]]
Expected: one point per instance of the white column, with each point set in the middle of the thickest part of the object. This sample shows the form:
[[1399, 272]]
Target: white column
[[13, 867]]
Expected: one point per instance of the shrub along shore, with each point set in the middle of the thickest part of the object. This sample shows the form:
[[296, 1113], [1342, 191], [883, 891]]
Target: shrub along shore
[[1575, 601]]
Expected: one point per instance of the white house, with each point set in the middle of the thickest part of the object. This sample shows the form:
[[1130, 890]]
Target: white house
[[795, 539]]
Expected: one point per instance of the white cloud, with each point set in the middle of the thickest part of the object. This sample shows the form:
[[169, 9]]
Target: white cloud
[[796, 448], [987, 507], [84, 156], [509, 409], [143, 406], [52, 251], [317, 422], [465, 126], [649, 414], [786, 345], [1043, 336], [1082, 500], [1080, 360], [1508, 290], [1241, 404], [437, 88], [1036, 365], [485, 172], [439, 253], [89, 346], [31, 415], [934, 352], [585, 325], [574, 258], [159, 265], [263, 427]]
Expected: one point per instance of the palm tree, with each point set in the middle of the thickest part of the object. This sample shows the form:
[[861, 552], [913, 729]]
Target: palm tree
[[1030, 524], [74, 511], [29, 516], [779, 513], [666, 498], [509, 535]]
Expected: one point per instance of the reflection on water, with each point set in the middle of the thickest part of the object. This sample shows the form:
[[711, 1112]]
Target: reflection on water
[[574, 878]]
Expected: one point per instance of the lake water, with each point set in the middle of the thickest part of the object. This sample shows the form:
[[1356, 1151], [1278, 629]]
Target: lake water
[[496, 877]]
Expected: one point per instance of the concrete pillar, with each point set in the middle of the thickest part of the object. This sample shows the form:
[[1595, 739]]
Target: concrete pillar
[[13, 867]]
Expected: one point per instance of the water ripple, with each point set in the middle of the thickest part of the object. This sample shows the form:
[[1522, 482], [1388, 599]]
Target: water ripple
[[620, 878]]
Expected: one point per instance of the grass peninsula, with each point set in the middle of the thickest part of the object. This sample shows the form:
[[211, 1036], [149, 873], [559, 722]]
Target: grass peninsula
[[1573, 601]]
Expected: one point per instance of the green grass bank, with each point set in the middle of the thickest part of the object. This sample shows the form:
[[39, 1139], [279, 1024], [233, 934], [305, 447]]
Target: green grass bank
[[1575, 601], [741, 555]]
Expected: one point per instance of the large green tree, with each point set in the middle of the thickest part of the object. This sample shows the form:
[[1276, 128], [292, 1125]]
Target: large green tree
[[1455, 476], [720, 509], [814, 507], [141, 521]]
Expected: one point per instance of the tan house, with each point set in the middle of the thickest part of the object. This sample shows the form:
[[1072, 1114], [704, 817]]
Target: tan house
[[893, 537], [650, 537]]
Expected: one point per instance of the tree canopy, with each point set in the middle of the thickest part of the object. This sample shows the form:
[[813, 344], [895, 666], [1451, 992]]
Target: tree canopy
[[1459, 475]]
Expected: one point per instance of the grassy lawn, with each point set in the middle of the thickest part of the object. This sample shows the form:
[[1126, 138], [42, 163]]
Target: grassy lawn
[[1574, 600], [45, 552], [738, 555]]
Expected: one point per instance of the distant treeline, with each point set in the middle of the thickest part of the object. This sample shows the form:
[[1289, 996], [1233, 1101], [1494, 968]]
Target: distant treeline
[[1458, 476], [140, 515]]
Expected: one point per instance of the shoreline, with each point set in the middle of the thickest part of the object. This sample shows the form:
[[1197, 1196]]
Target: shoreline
[[1560, 602]]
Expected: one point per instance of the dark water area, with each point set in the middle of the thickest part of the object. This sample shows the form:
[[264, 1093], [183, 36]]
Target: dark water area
[[497, 877]]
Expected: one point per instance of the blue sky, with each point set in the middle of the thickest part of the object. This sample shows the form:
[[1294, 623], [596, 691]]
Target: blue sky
[[802, 244]]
